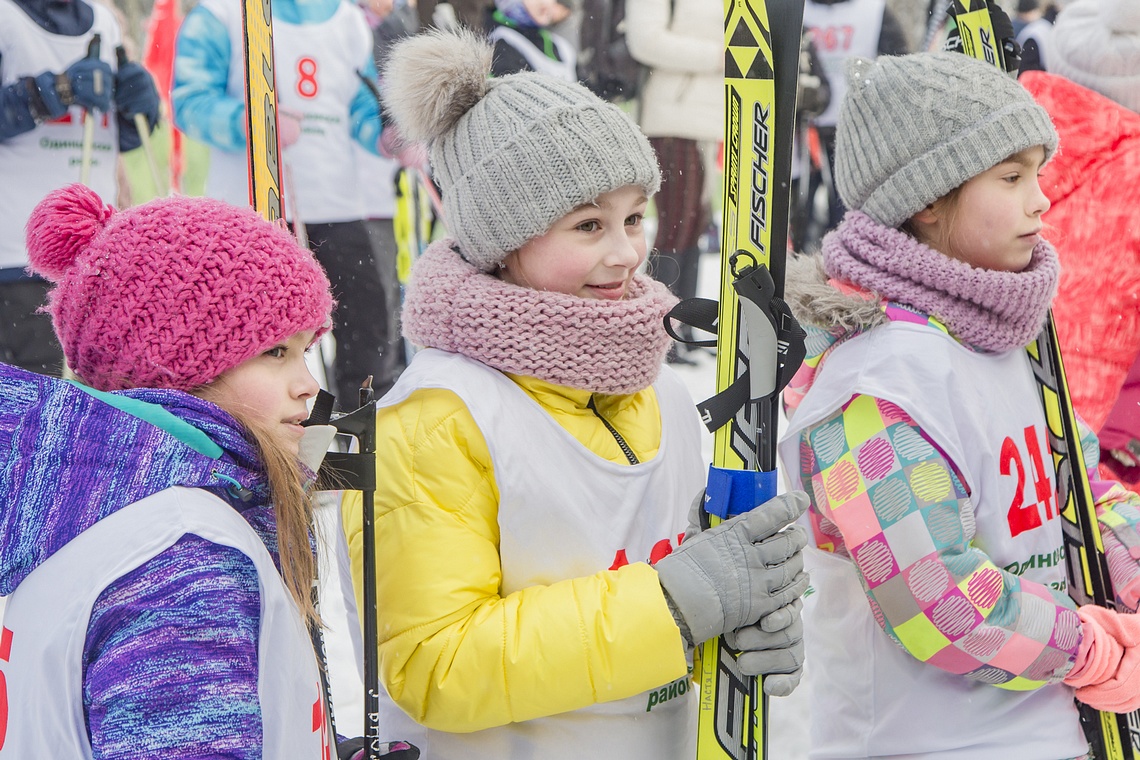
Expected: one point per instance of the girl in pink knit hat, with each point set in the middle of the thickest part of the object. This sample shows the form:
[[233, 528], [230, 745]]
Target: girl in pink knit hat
[[538, 462], [155, 537]]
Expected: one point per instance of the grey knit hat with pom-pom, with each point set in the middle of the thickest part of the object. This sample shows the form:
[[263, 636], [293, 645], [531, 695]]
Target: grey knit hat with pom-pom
[[512, 155], [914, 127]]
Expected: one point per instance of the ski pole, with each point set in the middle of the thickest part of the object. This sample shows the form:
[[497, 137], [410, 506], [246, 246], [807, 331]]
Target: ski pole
[[143, 128], [89, 119], [299, 228], [320, 417], [432, 193], [356, 471], [301, 232], [371, 634]]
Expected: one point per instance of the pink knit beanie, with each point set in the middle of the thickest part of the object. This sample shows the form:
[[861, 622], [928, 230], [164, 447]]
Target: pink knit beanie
[[172, 293]]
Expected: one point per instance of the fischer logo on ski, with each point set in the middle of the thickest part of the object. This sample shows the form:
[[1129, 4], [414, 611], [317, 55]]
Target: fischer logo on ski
[[758, 343], [760, 170], [972, 18]]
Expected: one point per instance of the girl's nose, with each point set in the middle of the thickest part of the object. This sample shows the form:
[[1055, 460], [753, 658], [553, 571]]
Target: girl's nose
[[624, 253], [1040, 202], [306, 386]]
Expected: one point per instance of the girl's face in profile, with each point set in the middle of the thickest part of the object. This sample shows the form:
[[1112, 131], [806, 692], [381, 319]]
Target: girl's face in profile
[[592, 252], [270, 389], [993, 221]]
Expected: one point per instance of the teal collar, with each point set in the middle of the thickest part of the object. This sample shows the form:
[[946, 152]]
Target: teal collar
[[160, 418]]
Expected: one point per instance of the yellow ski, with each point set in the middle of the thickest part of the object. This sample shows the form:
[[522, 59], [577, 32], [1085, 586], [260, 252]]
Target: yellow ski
[[261, 109], [757, 166]]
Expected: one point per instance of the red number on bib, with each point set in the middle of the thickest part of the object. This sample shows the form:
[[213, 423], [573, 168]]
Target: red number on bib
[[833, 38], [1022, 516], [1045, 492], [5, 653], [319, 724], [660, 550], [307, 78]]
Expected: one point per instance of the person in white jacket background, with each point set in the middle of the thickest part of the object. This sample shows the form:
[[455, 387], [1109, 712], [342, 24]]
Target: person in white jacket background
[[682, 43]]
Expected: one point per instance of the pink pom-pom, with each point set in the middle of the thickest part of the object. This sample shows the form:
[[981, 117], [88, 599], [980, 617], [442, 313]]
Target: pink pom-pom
[[61, 226]]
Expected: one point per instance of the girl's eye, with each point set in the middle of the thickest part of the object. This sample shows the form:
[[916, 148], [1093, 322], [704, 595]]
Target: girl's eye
[[1011, 178], [276, 352], [633, 220], [588, 226]]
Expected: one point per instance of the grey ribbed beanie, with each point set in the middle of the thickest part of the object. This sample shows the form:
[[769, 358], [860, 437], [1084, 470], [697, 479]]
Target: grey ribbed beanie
[[914, 127], [514, 154]]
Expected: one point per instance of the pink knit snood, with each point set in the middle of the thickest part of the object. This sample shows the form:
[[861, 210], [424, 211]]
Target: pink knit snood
[[612, 347], [991, 310]]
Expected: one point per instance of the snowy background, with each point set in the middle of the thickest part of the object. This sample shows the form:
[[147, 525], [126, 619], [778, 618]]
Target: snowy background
[[787, 722]]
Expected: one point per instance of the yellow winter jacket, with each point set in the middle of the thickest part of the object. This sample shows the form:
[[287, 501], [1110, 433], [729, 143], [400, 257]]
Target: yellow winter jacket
[[455, 654]]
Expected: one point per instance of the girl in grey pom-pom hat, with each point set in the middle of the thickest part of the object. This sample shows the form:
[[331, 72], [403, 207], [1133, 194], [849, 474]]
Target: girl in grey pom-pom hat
[[918, 429], [539, 462]]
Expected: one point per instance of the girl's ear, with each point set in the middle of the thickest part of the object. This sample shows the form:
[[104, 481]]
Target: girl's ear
[[927, 216]]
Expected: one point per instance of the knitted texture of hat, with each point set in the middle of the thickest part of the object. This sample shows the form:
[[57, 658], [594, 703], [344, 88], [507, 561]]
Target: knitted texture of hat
[[1096, 43], [613, 347], [172, 293], [914, 127], [511, 155], [987, 309]]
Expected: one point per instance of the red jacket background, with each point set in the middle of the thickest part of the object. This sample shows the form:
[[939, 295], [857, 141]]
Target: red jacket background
[[1094, 185]]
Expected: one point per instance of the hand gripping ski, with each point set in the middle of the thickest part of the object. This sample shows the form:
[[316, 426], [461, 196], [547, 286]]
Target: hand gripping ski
[[758, 344]]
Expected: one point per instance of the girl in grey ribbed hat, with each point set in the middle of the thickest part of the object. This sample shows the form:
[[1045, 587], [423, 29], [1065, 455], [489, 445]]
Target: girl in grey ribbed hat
[[913, 424], [512, 154], [540, 462]]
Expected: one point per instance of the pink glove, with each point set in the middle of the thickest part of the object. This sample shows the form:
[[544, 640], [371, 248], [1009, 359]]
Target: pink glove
[[1107, 673], [411, 155], [288, 126]]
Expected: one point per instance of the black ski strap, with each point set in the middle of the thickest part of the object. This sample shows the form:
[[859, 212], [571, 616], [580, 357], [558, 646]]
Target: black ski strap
[[767, 328], [697, 313], [322, 409]]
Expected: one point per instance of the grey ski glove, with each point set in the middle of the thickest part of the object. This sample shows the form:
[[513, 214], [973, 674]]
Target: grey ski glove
[[775, 652], [744, 569]]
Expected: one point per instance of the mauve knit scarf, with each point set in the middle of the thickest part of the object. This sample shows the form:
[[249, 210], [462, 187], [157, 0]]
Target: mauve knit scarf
[[987, 309], [611, 347]]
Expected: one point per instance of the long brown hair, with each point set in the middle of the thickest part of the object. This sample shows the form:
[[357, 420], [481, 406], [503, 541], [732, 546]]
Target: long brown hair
[[293, 511]]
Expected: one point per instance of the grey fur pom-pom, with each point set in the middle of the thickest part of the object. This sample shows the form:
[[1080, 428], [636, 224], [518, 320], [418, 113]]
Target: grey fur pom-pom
[[432, 79]]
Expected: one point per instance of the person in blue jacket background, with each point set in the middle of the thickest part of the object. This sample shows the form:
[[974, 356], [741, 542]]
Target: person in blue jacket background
[[323, 52]]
